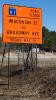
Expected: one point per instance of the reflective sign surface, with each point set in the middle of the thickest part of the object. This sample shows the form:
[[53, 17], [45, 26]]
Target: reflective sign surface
[[22, 24]]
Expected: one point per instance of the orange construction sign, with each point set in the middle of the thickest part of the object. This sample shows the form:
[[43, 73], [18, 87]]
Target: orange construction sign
[[22, 24]]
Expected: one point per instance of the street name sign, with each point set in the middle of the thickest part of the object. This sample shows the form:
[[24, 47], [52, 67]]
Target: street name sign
[[22, 24]]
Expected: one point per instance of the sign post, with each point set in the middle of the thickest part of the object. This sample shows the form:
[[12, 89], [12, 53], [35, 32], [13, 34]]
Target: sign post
[[8, 66], [36, 55], [22, 25]]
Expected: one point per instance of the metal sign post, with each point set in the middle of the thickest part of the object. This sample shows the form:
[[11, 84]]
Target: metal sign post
[[36, 55], [19, 27], [3, 57], [8, 66], [23, 61], [18, 57], [32, 57]]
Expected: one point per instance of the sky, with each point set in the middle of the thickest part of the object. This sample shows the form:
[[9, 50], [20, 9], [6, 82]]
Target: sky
[[48, 10]]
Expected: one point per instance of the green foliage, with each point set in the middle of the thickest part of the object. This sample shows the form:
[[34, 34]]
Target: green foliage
[[49, 38]]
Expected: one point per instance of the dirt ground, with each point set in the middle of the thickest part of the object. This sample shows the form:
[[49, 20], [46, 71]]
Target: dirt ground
[[33, 84]]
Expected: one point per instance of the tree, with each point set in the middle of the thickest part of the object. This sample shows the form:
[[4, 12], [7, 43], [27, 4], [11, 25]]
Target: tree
[[49, 38]]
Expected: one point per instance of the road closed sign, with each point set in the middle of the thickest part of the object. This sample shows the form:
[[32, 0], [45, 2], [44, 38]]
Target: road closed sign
[[22, 24]]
